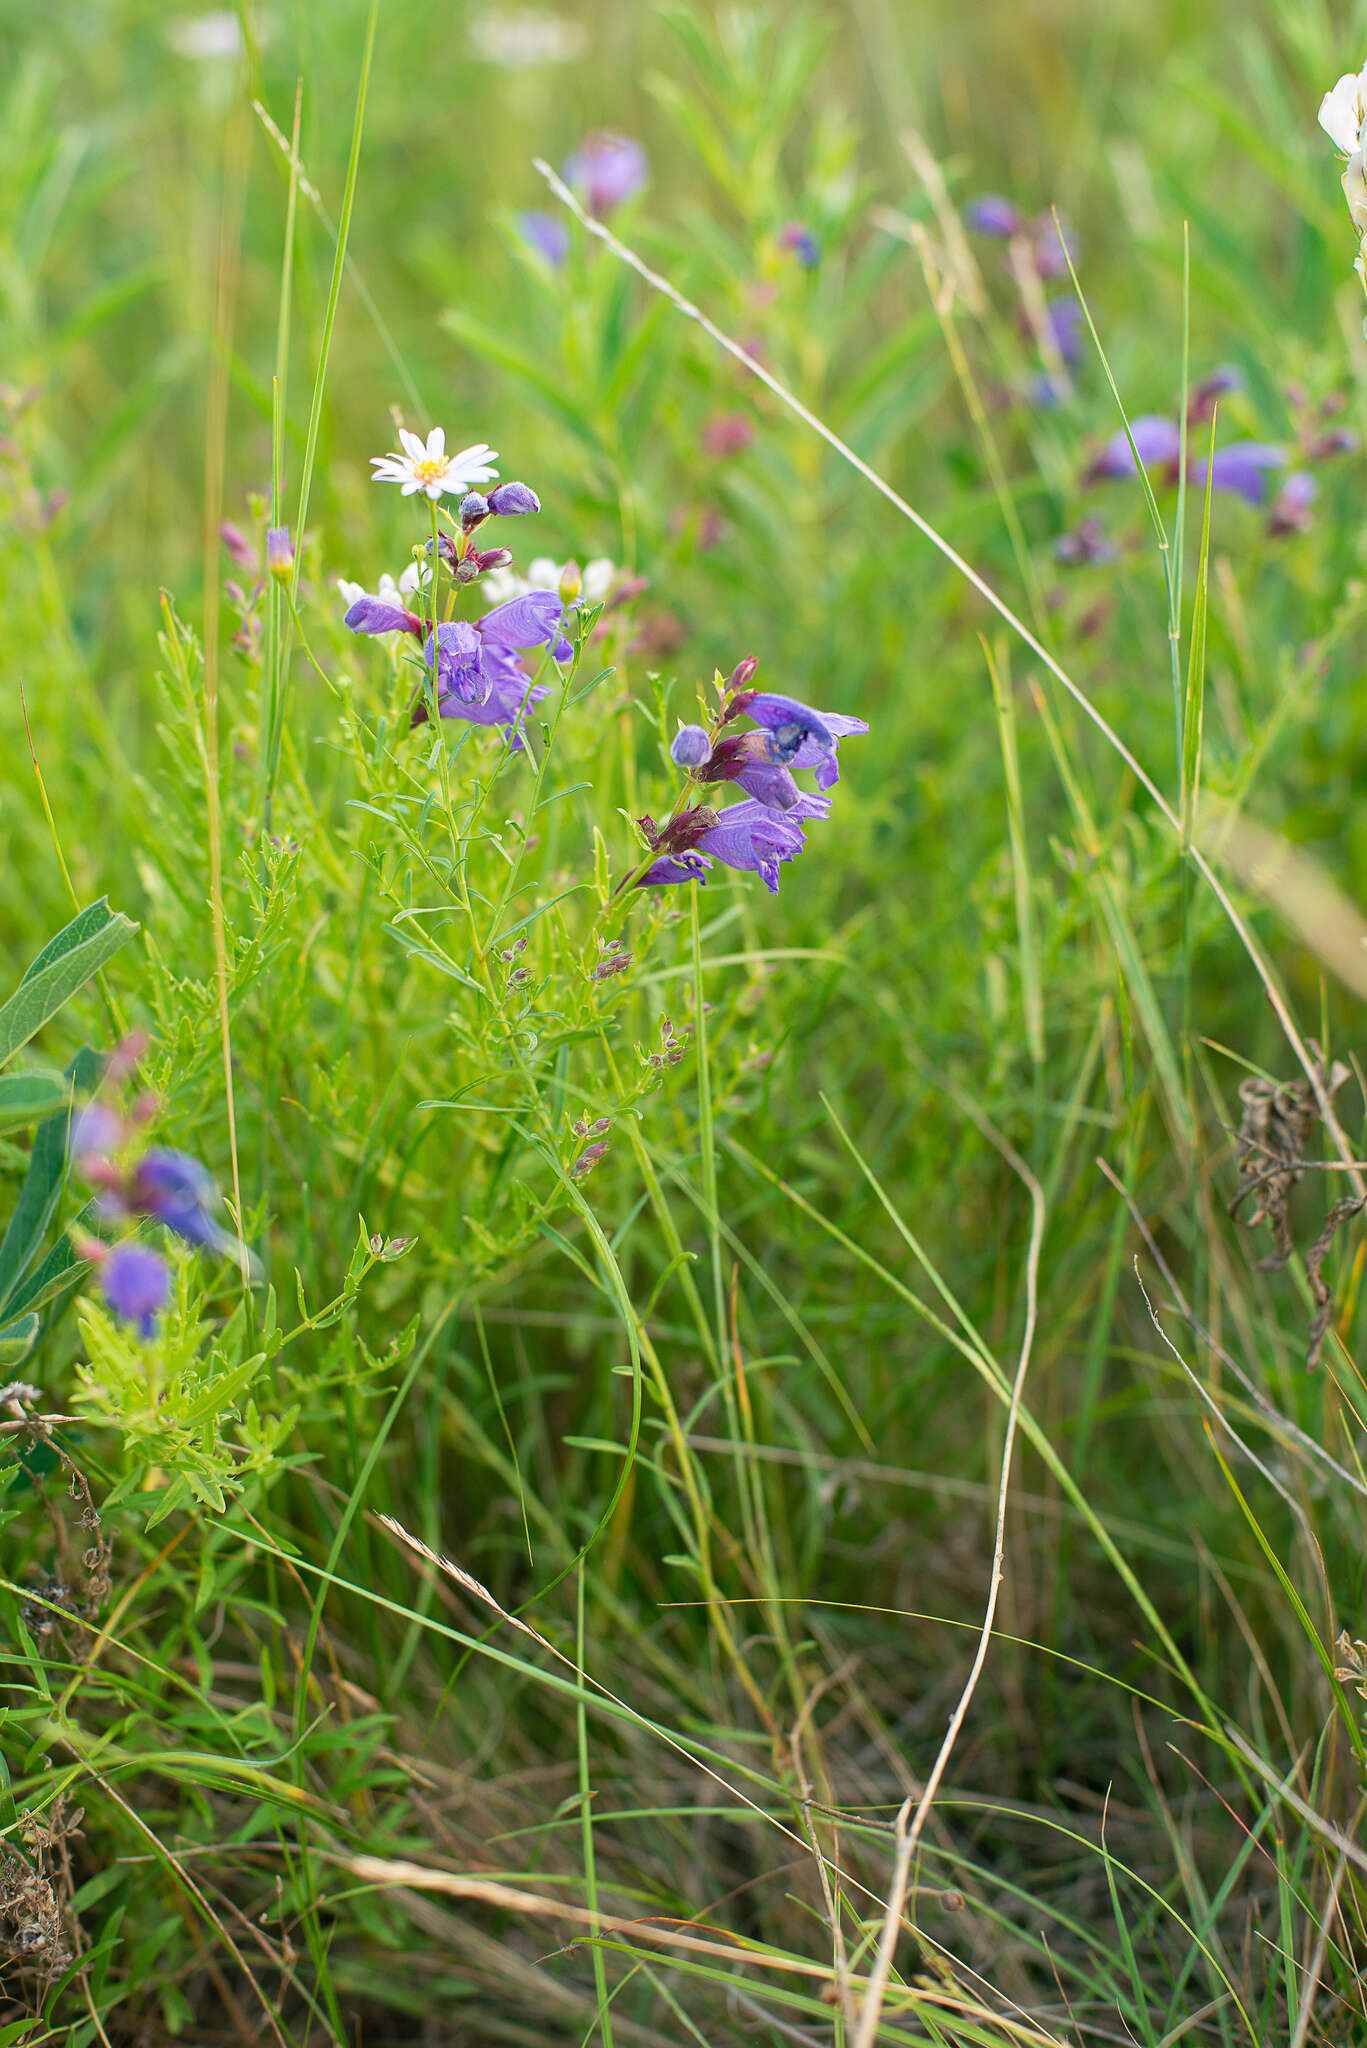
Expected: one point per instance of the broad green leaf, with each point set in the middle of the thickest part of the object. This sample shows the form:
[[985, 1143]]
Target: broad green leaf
[[39, 1194], [28, 1098], [16, 1342], [63, 966]]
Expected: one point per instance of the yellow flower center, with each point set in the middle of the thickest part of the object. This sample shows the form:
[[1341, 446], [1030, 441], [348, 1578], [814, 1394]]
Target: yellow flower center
[[430, 468]]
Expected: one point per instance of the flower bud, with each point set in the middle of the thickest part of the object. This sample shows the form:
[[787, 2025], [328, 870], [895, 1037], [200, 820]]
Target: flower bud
[[474, 510], [279, 551], [743, 672], [494, 558], [571, 583], [237, 544], [690, 747], [510, 499]]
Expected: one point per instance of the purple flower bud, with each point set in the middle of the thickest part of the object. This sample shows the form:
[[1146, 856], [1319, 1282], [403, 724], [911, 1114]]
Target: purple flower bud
[[690, 747], [606, 170], [136, 1282], [587, 1160], [990, 214], [616, 963], [511, 499], [279, 551], [802, 243], [548, 234], [237, 544], [743, 673], [1291, 511], [493, 558], [474, 510]]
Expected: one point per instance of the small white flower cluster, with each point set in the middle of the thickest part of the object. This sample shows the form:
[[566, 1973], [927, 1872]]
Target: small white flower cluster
[[595, 579], [1342, 114]]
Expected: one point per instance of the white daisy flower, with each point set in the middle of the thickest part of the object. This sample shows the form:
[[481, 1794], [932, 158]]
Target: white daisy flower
[[595, 579], [428, 468], [388, 591]]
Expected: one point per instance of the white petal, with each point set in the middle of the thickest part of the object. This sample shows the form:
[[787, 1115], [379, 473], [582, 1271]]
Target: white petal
[[543, 573], [351, 593], [410, 485], [412, 445], [1341, 113], [473, 457], [408, 582], [498, 585], [598, 575], [434, 490], [436, 444], [1355, 190]]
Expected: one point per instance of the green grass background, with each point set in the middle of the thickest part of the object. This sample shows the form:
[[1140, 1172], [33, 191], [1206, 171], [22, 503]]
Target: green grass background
[[805, 1258]]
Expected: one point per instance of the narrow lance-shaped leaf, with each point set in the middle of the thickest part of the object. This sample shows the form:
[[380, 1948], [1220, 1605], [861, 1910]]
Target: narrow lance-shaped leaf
[[65, 964]]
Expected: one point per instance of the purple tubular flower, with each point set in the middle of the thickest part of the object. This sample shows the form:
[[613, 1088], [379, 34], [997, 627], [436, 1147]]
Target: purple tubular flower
[[990, 214], [606, 170], [1065, 325], [510, 499], [1242, 468], [1291, 511], [279, 550], [690, 746], [1156, 439], [548, 235], [479, 676], [754, 838], [178, 1191], [460, 672], [814, 753], [802, 243], [683, 867], [373, 615], [790, 725], [747, 759], [533, 620], [136, 1282]]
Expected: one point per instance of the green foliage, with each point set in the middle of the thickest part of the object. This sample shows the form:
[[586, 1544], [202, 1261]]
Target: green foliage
[[711, 1433]]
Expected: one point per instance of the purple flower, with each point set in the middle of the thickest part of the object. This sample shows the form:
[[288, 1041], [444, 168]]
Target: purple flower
[[1156, 439], [510, 499], [1046, 390], [751, 837], [1088, 544], [1064, 317], [136, 1282], [548, 234], [1291, 511], [375, 615], [690, 746], [990, 214], [1053, 248], [802, 243], [479, 676], [279, 550], [237, 544], [1217, 385], [96, 1131], [799, 737], [1243, 468], [606, 170], [178, 1191]]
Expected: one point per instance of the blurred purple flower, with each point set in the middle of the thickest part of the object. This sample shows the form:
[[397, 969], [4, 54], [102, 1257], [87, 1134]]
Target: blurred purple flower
[[727, 433], [1053, 248], [279, 550], [1203, 400], [548, 234], [136, 1282], [179, 1192], [1291, 510], [1064, 317], [1157, 441], [990, 214], [1243, 468], [237, 544], [1088, 544], [1338, 441], [606, 170], [802, 243]]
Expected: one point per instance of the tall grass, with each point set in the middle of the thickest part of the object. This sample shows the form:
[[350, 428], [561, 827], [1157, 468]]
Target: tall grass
[[565, 1604]]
